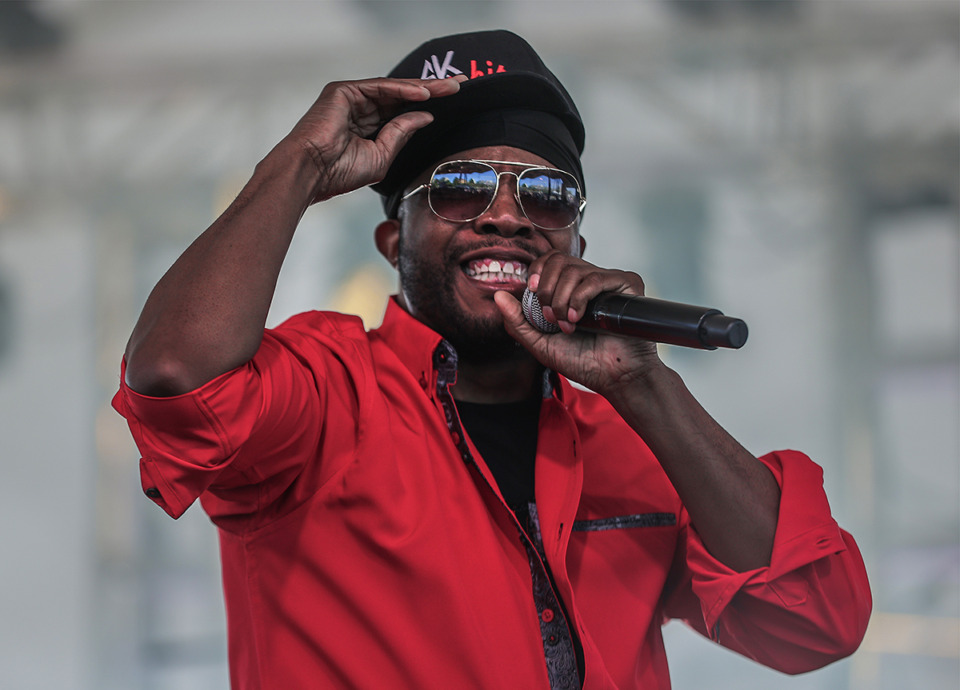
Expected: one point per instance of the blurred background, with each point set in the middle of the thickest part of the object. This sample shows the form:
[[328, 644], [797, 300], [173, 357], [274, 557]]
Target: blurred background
[[792, 162]]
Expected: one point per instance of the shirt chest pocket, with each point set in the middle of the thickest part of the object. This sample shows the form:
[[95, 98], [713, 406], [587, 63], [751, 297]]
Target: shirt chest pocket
[[619, 566], [629, 550], [626, 522]]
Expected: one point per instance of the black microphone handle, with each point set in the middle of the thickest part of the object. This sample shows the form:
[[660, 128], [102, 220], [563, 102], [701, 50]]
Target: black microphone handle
[[658, 320], [673, 323]]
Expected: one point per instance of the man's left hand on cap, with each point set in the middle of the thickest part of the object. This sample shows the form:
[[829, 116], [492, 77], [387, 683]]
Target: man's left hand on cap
[[353, 131]]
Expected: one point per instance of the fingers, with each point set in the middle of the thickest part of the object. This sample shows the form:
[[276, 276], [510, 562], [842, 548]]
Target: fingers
[[565, 284], [353, 131], [374, 104], [362, 107], [391, 94], [392, 91]]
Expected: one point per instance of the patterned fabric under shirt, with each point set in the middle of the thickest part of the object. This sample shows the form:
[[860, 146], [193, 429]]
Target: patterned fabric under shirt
[[558, 648]]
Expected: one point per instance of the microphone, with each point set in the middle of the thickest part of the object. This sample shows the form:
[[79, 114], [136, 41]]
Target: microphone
[[648, 318]]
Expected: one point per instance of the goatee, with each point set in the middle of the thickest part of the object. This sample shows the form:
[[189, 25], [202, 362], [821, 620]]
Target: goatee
[[429, 293]]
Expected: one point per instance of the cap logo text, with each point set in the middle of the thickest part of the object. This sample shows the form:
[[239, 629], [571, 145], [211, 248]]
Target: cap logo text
[[474, 72], [434, 69]]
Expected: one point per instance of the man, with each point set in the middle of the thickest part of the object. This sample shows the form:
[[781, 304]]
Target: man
[[432, 504]]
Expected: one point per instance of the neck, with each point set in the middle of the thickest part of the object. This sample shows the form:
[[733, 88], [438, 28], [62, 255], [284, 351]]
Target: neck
[[502, 381]]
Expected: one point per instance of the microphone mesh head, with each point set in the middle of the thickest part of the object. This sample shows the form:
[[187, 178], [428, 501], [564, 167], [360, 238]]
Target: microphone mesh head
[[533, 312]]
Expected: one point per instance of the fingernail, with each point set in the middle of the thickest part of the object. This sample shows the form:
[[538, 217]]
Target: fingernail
[[534, 281]]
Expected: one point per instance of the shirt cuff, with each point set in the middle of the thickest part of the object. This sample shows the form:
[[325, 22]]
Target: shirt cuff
[[806, 532], [183, 439]]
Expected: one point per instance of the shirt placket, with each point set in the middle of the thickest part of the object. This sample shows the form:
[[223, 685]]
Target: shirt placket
[[558, 649]]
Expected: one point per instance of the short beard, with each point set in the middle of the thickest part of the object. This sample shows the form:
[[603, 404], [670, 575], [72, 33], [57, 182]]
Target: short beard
[[430, 297], [479, 345]]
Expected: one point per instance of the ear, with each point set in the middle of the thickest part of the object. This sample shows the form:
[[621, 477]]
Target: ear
[[583, 247], [387, 238]]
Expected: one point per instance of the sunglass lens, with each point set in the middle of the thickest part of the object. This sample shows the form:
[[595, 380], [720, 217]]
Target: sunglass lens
[[550, 198], [462, 190]]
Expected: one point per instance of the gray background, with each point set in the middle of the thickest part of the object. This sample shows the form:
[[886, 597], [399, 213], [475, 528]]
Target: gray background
[[792, 162]]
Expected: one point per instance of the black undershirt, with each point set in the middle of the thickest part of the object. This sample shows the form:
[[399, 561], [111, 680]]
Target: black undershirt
[[506, 436]]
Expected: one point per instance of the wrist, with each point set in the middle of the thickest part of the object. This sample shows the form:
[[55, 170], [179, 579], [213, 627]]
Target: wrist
[[296, 168], [646, 386]]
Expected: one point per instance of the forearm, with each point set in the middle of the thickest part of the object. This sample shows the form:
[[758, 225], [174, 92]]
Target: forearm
[[732, 498], [207, 313]]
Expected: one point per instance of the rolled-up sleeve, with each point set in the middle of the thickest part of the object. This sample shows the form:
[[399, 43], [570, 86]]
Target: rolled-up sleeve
[[809, 607], [236, 434]]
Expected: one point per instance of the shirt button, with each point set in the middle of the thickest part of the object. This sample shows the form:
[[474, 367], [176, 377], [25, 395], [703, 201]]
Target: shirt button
[[456, 438], [552, 640], [547, 615], [152, 492]]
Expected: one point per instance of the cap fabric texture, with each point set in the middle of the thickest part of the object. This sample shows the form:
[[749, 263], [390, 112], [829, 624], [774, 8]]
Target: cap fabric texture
[[511, 99]]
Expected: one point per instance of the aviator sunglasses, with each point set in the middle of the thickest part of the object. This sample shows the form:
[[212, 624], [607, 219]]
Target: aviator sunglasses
[[461, 191]]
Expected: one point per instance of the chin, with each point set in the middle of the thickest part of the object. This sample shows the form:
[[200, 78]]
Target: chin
[[489, 343]]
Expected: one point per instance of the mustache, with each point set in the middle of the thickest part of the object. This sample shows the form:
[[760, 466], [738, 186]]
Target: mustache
[[454, 252]]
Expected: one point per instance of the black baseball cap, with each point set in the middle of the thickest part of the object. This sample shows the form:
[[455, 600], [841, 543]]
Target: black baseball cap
[[510, 98]]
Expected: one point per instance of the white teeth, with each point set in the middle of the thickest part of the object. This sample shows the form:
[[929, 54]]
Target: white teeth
[[494, 271]]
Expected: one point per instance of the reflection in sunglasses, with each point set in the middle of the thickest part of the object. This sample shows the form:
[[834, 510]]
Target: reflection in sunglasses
[[461, 191]]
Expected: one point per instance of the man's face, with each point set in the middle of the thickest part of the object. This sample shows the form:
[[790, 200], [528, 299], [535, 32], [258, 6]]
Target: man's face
[[449, 271]]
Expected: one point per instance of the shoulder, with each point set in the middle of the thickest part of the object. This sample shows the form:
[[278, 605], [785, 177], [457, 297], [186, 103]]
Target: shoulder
[[322, 342], [320, 321], [327, 328]]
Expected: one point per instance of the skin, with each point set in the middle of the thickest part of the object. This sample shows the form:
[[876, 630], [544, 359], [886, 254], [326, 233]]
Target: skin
[[431, 254], [206, 315]]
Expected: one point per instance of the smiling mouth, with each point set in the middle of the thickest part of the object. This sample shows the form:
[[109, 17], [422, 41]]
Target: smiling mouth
[[497, 271]]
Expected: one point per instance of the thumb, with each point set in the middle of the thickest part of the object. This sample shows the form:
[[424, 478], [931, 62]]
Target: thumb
[[515, 322], [397, 132]]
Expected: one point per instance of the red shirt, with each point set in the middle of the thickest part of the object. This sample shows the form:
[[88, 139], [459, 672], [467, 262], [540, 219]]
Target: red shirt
[[364, 543]]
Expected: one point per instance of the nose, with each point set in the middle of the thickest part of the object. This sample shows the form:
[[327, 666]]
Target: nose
[[504, 215]]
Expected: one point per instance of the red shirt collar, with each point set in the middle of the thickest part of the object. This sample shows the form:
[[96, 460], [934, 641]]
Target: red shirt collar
[[413, 341]]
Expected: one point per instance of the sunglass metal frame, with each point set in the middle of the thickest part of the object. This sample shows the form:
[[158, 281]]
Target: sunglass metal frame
[[490, 163]]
